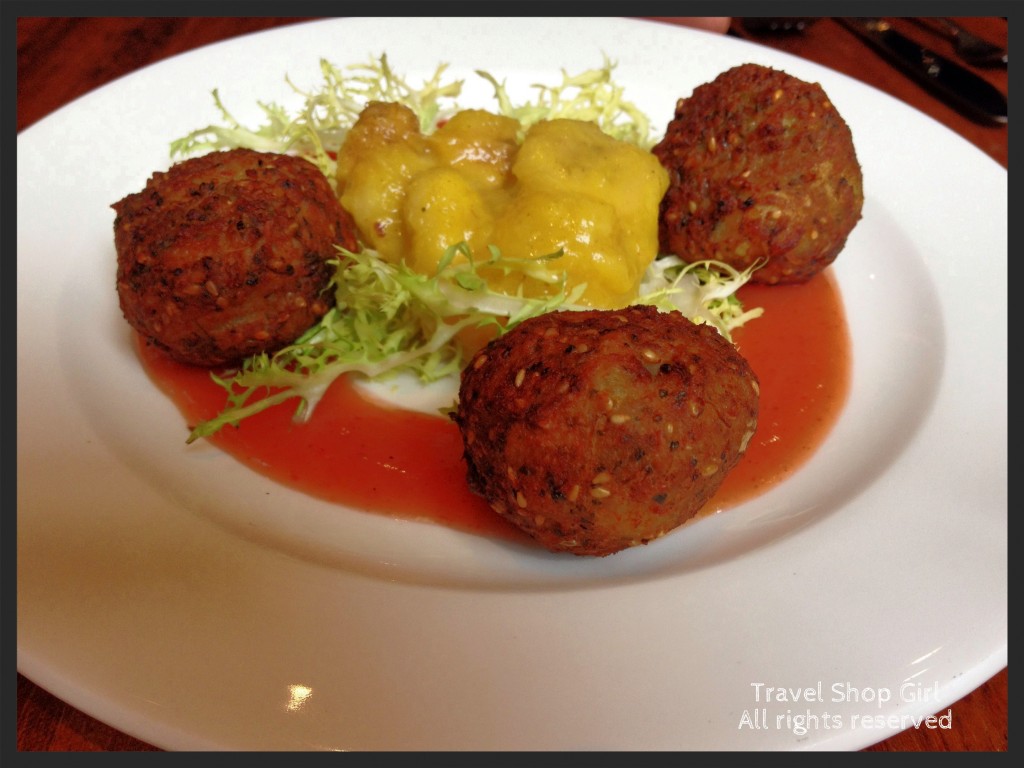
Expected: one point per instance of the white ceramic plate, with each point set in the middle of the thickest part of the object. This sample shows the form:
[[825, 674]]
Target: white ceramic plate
[[176, 595]]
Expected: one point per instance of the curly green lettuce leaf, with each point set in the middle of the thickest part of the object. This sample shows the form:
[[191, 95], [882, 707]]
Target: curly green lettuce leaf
[[704, 291], [319, 127], [389, 318], [592, 96]]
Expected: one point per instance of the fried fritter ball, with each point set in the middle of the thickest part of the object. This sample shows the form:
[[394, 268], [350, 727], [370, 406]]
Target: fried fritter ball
[[225, 255], [598, 430], [761, 165]]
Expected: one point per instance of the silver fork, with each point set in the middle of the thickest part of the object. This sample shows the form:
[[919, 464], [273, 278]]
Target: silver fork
[[971, 48]]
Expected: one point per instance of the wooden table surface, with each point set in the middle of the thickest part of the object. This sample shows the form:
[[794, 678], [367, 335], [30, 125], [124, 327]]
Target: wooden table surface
[[60, 59]]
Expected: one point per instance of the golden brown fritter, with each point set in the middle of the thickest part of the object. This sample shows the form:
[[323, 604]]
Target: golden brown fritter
[[761, 165], [598, 430], [225, 255]]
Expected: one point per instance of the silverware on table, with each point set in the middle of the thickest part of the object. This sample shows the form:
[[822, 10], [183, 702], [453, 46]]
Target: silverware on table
[[957, 86], [971, 48], [758, 24]]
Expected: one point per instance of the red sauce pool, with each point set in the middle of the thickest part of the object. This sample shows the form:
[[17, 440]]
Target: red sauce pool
[[361, 453]]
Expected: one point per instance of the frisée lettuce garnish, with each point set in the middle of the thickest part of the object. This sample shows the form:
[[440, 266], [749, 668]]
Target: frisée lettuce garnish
[[319, 127], [389, 318]]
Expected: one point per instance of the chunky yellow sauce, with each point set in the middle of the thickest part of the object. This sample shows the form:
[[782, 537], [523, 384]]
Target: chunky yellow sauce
[[566, 186]]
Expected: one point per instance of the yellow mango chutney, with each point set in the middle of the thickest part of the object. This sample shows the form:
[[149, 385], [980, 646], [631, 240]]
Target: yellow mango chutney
[[567, 186]]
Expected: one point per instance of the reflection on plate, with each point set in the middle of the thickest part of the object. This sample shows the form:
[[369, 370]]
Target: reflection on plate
[[169, 591]]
